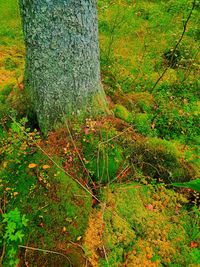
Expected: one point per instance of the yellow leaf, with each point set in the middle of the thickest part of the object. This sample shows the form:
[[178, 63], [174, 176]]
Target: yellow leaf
[[15, 194], [46, 167], [64, 229], [5, 164], [79, 238], [32, 165], [8, 189]]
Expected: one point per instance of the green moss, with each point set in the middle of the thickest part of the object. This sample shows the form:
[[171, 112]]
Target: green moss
[[161, 159], [122, 113], [103, 158], [138, 227], [142, 123], [10, 64], [118, 237], [10, 32], [51, 200]]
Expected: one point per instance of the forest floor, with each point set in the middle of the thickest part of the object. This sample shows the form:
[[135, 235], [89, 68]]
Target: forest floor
[[121, 190]]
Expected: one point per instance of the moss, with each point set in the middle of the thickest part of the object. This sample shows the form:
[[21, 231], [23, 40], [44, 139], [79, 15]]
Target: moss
[[56, 206], [142, 123], [103, 159], [138, 102], [138, 228], [122, 113], [108, 229], [10, 64], [161, 159]]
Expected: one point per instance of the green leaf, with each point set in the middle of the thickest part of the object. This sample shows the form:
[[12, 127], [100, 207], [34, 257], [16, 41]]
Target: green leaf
[[24, 220], [194, 184], [15, 127], [18, 236]]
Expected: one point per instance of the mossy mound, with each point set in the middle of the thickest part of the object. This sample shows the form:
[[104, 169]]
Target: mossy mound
[[137, 101], [161, 159], [142, 123], [142, 226], [56, 207], [122, 113], [103, 154]]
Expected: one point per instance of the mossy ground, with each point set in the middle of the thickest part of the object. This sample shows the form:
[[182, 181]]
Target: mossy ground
[[127, 160], [142, 226]]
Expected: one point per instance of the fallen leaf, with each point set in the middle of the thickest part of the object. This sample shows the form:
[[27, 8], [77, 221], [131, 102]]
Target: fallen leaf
[[194, 244], [149, 207], [41, 225], [32, 165], [15, 194], [177, 209], [68, 220], [5, 164], [64, 229], [79, 238], [8, 189], [86, 130], [46, 167]]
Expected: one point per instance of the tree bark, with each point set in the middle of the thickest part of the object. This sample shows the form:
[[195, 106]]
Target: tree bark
[[62, 74]]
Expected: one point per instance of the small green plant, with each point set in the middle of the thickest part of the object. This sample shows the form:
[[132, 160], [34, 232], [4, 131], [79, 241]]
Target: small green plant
[[14, 226], [194, 184], [122, 113], [103, 159], [142, 123]]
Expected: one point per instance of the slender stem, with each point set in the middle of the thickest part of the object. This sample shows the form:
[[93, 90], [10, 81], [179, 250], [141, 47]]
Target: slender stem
[[46, 251], [3, 254], [176, 46], [55, 163]]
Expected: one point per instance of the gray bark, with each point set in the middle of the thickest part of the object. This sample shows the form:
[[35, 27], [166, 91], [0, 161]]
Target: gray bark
[[62, 73]]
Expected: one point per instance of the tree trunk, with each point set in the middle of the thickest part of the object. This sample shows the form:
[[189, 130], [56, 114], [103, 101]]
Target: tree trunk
[[62, 73]]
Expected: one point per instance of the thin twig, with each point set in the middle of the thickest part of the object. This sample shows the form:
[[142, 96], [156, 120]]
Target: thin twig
[[98, 153], [122, 172], [176, 46], [3, 253], [55, 163], [46, 251], [189, 69], [116, 136], [104, 250], [76, 149]]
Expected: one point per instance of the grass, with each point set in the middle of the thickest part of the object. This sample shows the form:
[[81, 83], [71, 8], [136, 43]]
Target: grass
[[11, 31]]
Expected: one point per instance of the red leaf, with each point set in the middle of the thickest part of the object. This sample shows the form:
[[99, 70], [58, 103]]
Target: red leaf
[[194, 244], [149, 207]]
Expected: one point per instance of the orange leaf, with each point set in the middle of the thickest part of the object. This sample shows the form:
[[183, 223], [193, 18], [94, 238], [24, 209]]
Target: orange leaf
[[64, 229], [5, 164], [46, 167], [194, 244], [15, 194], [32, 165]]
